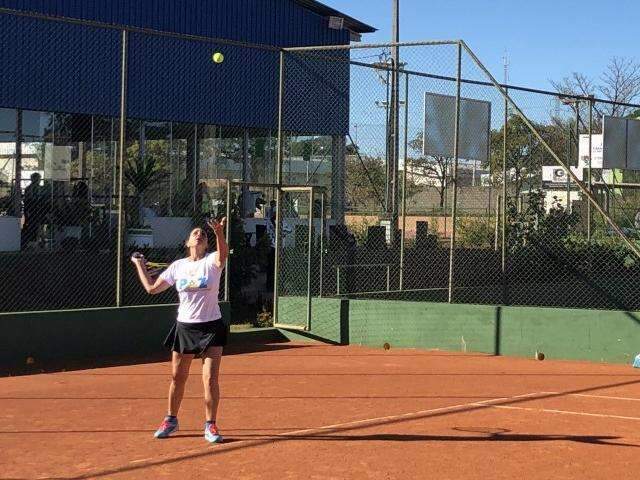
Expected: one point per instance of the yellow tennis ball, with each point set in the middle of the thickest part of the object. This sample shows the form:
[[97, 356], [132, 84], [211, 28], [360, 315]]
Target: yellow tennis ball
[[30, 361], [217, 57]]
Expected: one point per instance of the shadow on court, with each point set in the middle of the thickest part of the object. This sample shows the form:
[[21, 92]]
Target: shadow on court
[[259, 341]]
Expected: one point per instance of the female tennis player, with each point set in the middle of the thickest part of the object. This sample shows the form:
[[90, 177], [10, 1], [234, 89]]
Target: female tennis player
[[199, 330]]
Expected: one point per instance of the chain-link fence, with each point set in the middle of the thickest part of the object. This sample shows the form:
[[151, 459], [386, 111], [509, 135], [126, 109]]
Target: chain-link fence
[[447, 186], [434, 183], [114, 140]]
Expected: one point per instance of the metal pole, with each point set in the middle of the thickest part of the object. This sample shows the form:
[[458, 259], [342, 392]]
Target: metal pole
[[227, 233], [309, 257], [632, 246], [387, 157], [280, 108], [503, 205], [456, 135], [395, 123], [337, 279], [404, 180], [17, 171], [589, 178], [568, 182], [93, 175], [322, 200], [246, 177], [276, 273], [388, 277], [170, 156], [194, 170], [121, 153], [497, 225], [577, 145]]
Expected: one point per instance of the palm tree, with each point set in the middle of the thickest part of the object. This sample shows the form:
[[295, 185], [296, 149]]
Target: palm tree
[[142, 173]]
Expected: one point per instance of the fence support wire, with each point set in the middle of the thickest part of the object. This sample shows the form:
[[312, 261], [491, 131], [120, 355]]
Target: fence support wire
[[569, 172]]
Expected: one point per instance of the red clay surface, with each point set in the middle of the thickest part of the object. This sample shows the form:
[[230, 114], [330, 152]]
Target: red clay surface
[[312, 411]]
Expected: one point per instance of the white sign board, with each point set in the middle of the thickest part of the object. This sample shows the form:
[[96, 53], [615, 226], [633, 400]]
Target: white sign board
[[558, 175], [596, 151], [439, 127], [57, 162]]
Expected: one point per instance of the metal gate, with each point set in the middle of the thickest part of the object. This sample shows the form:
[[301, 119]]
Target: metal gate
[[300, 240]]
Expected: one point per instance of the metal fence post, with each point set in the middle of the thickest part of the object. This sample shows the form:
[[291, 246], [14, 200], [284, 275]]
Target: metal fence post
[[503, 206], [227, 274], [404, 181], [631, 245], [589, 178], [277, 259], [121, 153], [310, 256], [388, 277], [456, 135], [322, 216]]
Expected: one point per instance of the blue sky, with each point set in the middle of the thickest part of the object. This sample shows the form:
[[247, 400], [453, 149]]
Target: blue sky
[[544, 39]]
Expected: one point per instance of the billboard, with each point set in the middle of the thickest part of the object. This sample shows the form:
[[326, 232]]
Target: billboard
[[558, 175], [621, 143], [596, 151], [439, 127]]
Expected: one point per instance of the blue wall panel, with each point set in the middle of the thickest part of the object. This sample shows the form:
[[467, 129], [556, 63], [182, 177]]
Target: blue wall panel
[[58, 67], [171, 79], [244, 20], [55, 66]]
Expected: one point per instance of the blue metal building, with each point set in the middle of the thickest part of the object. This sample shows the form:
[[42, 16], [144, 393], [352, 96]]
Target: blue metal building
[[60, 86], [66, 67]]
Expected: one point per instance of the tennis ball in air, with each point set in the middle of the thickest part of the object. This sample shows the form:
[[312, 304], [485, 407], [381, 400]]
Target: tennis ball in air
[[217, 57], [30, 361]]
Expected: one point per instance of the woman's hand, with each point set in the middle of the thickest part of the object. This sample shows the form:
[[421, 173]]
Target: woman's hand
[[139, 260], [218, 227], [146, 276], [222, 248]]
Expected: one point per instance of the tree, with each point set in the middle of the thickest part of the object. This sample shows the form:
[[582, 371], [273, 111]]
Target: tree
[[525, 154], [364, 182], [142, 172], [620, 83], [435, 167]]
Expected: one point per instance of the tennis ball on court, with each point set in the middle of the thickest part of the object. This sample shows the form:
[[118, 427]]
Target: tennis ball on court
[[386, 346], [539, 356], [30, 361], [217, 57]]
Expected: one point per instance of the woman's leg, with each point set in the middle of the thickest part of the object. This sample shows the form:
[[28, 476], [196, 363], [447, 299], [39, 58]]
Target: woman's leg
[[210, 370], [180, 363]]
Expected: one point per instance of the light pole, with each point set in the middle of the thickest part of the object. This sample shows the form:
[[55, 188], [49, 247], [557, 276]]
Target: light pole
[[575, 103]]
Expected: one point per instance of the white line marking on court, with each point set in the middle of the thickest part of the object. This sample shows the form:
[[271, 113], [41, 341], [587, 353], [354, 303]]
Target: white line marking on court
[[142, 460], [347, 425], [563, 412], [606, 397], [534, 394]]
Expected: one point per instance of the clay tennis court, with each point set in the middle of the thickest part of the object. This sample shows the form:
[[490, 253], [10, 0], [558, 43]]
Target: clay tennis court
[[304, 410]]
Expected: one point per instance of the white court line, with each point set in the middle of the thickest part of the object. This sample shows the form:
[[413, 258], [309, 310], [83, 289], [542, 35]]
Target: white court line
[[586, 395], [346, 425], [564, 412], [606, 397]]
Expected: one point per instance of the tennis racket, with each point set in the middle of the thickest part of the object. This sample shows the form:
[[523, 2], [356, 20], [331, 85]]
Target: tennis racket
[[152, 265]]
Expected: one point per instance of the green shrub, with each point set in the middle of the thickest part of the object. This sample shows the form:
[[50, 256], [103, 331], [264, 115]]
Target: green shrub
[[476, 232]]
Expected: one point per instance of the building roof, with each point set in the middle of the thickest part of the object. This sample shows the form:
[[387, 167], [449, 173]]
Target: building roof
[[324, 10]]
